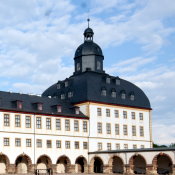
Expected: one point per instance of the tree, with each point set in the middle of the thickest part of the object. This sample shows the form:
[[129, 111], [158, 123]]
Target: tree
[[172, 145]]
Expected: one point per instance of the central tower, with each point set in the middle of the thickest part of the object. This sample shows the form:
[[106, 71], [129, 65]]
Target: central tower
[[88, 56]]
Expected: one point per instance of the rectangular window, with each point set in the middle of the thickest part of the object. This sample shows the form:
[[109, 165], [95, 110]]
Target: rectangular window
[[85, 145], [125, 146], [133, 130], [98, 111], [6, 142], [99, 146], [58, 124], [38, 122], [84, 126], [107, 112], [17, 121], [28, 122], [125, 130], [142, 146], [117, 131], [76, 145], [133, 115], [48, 123], [99, 127], [108, 128], [134, 146], [67, 144], [67, 125], [49, 143], [40, 106], [141, 116], [6, 120], [117, 146], [17, 142], [39, 143], [125, 114], [108, 146], [58, 143], [76, 125], [141, 131], [28, 142], [116, 113]]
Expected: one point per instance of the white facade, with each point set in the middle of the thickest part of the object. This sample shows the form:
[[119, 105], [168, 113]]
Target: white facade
[[119, 140]]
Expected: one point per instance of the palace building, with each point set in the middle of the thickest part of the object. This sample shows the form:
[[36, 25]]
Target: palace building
[[91, 122]]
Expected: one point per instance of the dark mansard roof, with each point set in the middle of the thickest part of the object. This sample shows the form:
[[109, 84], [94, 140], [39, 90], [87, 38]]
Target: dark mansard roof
[[8, 103], [88, 86]]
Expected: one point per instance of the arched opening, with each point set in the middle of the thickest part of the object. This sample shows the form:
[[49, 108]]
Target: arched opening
[[117, 165], [80, 164], [98, 165], [138, 164], [4, 163], [23, 164], [164, 164], [44, 162], [63, 164]]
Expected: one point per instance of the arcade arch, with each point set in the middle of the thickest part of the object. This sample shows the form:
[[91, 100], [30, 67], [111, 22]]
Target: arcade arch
[[138, 164], [63, 164], [80, 165]]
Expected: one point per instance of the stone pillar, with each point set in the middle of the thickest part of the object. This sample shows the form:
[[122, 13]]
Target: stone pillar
[[127, 169], [90, 169], [71, 169], [86, 169], [150, 169], [11, 169], [54, 168], [173, 167], [106, 169]]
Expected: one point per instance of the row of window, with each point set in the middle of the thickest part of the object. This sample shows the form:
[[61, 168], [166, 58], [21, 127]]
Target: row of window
[[122, 94], [39, 143], [116, 114], [28, 123], [117, 146], [117, 129]]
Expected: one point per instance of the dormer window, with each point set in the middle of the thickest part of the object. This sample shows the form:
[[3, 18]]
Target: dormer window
[[59, 108], [62, 96], [66, 83], [117, 81], [77, 110], [103, 92], [108, 80], [39, 106], [19, 104], [58, 86], [123, 95], [132, 96], [113, 93], [70, 94]]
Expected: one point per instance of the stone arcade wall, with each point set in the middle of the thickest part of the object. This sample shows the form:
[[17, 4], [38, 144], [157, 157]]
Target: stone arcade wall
[[147, 161]]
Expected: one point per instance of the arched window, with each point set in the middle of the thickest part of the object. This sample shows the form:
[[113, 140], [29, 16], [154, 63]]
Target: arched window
[[62, 96], [117, 81], [70, 94], [58, 85], [113, 93], [123, 95], [132, 96], [103, 92]]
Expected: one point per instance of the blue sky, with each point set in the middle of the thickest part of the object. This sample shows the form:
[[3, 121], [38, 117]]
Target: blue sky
[[38, 39]]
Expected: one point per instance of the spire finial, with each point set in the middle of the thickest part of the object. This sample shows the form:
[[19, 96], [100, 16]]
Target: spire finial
[[88, 20]]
